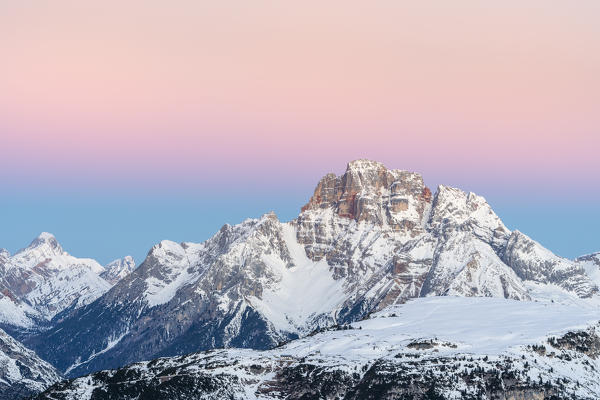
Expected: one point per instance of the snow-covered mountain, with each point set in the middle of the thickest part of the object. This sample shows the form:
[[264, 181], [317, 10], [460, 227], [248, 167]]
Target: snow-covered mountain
[[42, 281], [429, 348], [22, 372], [591, 264], [118, 269], [368, 239]]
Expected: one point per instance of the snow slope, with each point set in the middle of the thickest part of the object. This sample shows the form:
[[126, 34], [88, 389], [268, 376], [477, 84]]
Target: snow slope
[[491, 326], [22, 372], [42, 280], [453, 347], [591, 264], [298, 293]]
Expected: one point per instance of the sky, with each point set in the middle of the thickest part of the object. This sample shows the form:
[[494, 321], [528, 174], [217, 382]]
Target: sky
[[125, 123]]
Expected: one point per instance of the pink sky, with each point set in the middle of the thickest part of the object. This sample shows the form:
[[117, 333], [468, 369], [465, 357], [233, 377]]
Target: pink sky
[[463, 90], [123, 123]]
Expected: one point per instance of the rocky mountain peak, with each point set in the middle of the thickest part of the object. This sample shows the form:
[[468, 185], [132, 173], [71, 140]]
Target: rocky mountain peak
[[270, 216], [370, 192], [118, 269], [43, 280], [364, 164], [45, 243], [39, 254], [592, 258], [455, 209], [531, 261], [167, 249]]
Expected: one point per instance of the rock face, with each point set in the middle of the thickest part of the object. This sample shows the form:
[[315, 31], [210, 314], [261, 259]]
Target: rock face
[[394, 354], [22, 372], [591, 264], [593, 258], [534, 263], [183, 296], [42, 282], [370, 238], [369, 192], [118, 269]]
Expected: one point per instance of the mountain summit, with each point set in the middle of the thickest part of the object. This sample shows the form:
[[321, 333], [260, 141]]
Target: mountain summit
[[370, 238], [42, 281], [369, 192], [45, 243], [118, 269]]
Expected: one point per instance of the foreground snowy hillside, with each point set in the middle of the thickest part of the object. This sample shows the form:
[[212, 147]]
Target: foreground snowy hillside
[[370, 238], [427, 348]]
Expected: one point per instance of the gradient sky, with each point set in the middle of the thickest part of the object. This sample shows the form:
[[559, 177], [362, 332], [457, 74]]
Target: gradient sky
[[126, 122]]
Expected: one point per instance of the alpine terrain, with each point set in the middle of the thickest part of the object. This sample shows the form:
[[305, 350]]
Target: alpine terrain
[[22, 372], [380, 288], [42, 282], [430, 348]]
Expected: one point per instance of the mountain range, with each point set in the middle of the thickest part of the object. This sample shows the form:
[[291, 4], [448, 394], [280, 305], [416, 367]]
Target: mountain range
[[371, 242]]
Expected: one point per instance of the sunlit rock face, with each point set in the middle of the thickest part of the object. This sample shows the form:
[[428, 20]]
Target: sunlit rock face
[[369, 192]]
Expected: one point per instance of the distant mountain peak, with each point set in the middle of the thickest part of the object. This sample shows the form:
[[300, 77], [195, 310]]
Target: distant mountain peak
[[47, 242], [4, 254], [118, 269], [593, 257], [43, 280], [363, 164]]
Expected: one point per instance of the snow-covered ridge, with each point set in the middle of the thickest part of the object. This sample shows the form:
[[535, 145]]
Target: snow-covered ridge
[[591, 264], [42, 280], [534, 263], [300, 292], [491, 326], [532, 349], [118, 269], [22, 372]]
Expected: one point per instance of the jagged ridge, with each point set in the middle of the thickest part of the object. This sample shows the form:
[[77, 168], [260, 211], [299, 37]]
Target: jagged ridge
[[43, 282], [368, 239]]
